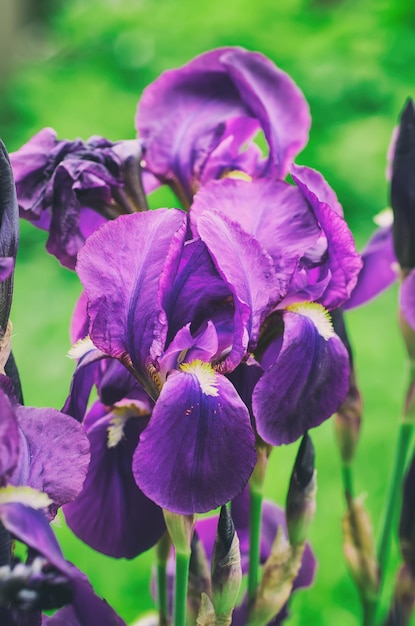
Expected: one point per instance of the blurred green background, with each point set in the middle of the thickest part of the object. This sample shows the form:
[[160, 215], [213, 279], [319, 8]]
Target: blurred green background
[[80, 66]]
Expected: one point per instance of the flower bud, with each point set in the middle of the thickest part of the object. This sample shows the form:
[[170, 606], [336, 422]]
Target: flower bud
[[403, 188], [199, 578], [280, 571], [226, 565], [359, 549], [301, 497], [9, 236]]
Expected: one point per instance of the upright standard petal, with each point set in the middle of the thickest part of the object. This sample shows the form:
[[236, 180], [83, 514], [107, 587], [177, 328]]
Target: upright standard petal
[[273, 211], [245, 265], [183, 116], [308, 380], [126, 269], [207, 451], [341, 263]]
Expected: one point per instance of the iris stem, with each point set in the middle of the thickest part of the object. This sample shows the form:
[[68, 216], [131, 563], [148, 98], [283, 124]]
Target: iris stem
[[347, 475], [369, 612], [254, 541], [162, 593], [180, 594], [401, 453], [162, 551]]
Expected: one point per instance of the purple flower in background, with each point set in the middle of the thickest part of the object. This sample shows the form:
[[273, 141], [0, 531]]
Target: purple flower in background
[[69, 188], [197, 122]]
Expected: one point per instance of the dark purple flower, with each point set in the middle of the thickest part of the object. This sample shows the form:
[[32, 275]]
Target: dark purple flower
[[69, 188], [195, 121]]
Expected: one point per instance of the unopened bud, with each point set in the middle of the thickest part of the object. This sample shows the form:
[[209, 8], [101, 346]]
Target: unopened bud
[[206, 615], [199, 578], [359, 549], [403, 188], [301, 497], [280, 571], [226, 566], [180, 529], [9, 235]]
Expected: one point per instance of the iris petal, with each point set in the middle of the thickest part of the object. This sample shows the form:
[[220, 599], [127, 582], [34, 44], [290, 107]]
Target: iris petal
[[306, 383], [198, 450]]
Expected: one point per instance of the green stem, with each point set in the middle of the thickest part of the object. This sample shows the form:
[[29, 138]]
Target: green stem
[[347, 476], [255, 510], [162, 593], [369, 612], [404, 440], [180, 593]]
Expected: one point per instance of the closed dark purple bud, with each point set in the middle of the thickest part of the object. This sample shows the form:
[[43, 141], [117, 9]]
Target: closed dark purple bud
[[403, 188], [9, 236], [301, 503], [226, 565]]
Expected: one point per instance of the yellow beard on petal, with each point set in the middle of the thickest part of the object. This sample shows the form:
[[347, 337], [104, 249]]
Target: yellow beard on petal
[[317, 314], [205, 374], [238, 175]]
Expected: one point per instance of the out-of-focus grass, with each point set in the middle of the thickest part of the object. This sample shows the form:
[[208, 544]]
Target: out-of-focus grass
[[354, 62]]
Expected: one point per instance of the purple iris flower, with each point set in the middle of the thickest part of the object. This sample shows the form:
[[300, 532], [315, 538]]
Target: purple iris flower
[[69, 188], [44, 456], [306, 246], [172, 321], [198, 122]]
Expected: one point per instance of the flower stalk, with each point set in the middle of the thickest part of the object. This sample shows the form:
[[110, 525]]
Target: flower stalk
[[256, 490]]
